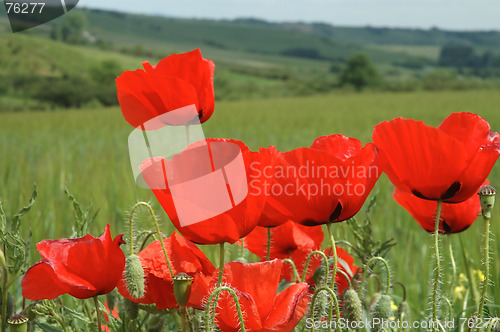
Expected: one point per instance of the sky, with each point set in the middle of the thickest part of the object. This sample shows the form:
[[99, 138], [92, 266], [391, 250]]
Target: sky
[[444, 14]]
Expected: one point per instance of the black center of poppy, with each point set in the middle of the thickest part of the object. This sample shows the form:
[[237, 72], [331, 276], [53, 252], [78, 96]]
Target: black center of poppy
[[336, 213], [449, 193], [452, 190]]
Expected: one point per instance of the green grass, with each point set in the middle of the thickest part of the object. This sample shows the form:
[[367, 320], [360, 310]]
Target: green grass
[[86, 150]]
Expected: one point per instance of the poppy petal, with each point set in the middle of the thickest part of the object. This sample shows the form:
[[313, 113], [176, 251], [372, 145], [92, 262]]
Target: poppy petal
[[289, 307], [42, 282], [420, 159]]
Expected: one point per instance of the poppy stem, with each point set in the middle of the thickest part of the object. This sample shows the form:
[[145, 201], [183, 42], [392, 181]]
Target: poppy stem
[[330, 313], [366, 269], [437, 270], [334, 253], [210, 317], [98, 312], [183, 317], [157, 226], [242, 248], [306, 266], [221, 263], [486, 248], [453, 266], [296, 276], [5, 291], [268, 255]]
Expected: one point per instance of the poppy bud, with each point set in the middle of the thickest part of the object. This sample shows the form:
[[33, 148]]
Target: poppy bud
[[130, 308], [487, 198], [111, 300], [155, 323], [182, 288], [382, 310], [374, 299], [352, 308], [134, 276], [404, 311], [18, 323]]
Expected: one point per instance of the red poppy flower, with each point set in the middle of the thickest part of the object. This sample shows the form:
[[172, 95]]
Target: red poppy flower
[[177, 81], [185, 257], [327, 182], [448, 163], [285, 240], [232, 224], [263, 310], [454, 218], [82, 267]]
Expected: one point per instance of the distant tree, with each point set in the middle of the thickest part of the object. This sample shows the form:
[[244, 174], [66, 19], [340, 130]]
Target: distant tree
[[71, 29], [303, 52], [458, 56], [359, 72]]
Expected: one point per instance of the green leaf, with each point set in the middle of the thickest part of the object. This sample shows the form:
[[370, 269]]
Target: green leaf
[[46, 327], [16, 219]]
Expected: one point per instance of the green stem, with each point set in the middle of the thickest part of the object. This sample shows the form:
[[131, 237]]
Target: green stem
[[492, 322], [453, 266], [98, 312], [450, 308], [5, 291], [306, 266], [183, 316], [366, 269], [437, 271], [131, 220], [335, 303], [296, 276], [486, 248], [346, 276], [221, 263], [268, 255], [334, 253], [157, 226], [242, 248], [469, 274], [210, 318]]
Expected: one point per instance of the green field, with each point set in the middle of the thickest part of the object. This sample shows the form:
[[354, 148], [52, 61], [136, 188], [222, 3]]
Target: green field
[[86, 151]]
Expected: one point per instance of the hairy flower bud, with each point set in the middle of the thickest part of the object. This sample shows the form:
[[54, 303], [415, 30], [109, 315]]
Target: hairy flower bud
[[382, 310], [487, 198], [155, 323], [182, 288], [130, 308], [352, 308], [111, 298], [404, 311], [134, 276]]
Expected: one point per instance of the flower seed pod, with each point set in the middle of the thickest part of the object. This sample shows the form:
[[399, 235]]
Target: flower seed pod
[[130, 308], [382, 310], [351, 307], [18, 323], [134, 276], [487, 198], [182, 288]]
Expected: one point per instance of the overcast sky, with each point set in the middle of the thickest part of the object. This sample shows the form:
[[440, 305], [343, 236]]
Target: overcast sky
[[445, 14]]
